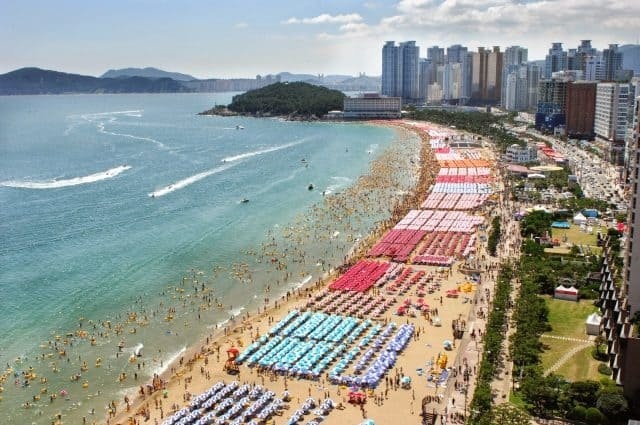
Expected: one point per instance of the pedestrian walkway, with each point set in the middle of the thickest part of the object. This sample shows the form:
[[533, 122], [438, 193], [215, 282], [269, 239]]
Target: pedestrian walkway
[[566, 338]]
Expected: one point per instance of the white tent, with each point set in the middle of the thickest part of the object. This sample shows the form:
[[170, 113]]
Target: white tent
[[593, 324], [566, 293], [579, 219]]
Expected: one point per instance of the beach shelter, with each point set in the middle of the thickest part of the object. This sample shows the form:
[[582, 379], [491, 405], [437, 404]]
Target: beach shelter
[[566, 293], [579, 219], [593, 324]]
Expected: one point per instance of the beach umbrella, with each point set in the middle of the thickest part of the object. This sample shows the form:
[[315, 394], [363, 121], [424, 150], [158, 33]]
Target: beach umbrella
[[406, 380], [368, 422]]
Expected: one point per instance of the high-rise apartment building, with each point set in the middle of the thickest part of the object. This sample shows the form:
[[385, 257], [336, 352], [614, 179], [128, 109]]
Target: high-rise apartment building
[[436, 55], [515, 55], [594, 67], [460, 54], [409, 54], [515, 90], [583, 53], [552, 96], [400, 70], [612, 59], [426, 77], [389, 68], [555, 61], [533, 81], [580, 107], [620, 305], [486, 81], [613, 102]]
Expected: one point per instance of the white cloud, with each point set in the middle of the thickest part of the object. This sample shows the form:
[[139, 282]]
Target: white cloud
[[325, 18], [531, 23], [241, 25]]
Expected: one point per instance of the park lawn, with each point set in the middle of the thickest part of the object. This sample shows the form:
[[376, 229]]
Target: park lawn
[[556, 349], [576, 236], [581, 366], [567, 318]]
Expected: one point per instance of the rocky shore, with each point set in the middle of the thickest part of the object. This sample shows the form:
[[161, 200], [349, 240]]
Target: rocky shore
[[223, 111]]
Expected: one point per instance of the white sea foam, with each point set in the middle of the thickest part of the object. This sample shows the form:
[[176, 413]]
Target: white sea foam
[[171, 359], [258, 152], [340, 182], [186, 182], [55, 184], [303, 282], [236, 311]]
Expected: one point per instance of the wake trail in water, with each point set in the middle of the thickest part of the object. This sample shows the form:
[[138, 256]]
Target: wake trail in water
[[259, 152], [55, 184], [188, 181], [102, 130], [133, 113]]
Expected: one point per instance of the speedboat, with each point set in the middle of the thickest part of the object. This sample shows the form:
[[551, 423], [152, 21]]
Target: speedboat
[[244, 201], [310, 187], [239, 127]]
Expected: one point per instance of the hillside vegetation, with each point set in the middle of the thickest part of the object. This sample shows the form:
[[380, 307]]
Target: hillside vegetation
[[299, 99]]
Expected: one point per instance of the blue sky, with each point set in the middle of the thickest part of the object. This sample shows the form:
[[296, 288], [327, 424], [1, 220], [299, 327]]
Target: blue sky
[[248, 37]]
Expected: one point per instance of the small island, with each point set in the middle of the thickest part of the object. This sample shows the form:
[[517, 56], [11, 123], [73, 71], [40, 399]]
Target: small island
[[292, 101]]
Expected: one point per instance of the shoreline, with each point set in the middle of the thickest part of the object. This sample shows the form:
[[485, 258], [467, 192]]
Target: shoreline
[[210, 345]]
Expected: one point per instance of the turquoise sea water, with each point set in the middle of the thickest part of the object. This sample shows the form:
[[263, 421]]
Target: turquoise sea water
[[109, 201]]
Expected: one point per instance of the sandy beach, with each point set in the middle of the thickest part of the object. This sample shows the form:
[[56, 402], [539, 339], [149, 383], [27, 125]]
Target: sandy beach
[[201, 366]]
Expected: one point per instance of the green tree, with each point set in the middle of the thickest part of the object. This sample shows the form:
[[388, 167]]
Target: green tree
[[584, 392], [612, 403], [594, 416]]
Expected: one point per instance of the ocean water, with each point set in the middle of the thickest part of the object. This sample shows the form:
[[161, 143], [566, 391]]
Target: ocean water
[[121, 221]]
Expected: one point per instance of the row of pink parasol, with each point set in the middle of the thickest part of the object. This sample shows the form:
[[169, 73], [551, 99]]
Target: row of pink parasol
[[360, 277], [454, 201], [350, 303]]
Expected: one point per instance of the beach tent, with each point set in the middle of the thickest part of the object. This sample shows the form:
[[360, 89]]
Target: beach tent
[[593, 324], [579, 219], [590, 213], [566, 293]]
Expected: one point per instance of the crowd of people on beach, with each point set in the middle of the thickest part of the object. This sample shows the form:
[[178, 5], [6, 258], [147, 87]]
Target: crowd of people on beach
[[328, 239]]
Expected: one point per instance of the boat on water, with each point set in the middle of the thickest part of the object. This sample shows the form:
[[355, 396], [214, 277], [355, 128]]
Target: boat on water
[[244, 201], [310, 187], [239, 127]]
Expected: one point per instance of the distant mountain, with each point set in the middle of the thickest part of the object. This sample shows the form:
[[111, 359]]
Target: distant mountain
[[41, 81], [148, 72], [287, 77], [631, 57]]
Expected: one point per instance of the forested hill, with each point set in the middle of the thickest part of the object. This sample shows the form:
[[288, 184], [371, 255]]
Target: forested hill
[[41, 81], [285, 99]]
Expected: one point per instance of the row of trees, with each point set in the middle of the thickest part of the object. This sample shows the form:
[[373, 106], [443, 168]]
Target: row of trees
[[481, 404], [301, 99], [494, 236], [482, 123]]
